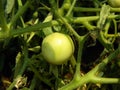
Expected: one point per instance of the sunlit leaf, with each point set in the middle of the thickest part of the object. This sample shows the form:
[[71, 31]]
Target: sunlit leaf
[[9, 6], [48, 30]]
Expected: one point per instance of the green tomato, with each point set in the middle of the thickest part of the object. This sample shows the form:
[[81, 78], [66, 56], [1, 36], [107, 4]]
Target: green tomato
[[57, 48], [114, 3]]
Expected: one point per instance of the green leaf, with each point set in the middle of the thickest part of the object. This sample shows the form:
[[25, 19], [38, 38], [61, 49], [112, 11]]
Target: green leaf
[[48, 30], [18, 64], [35, 49], [105, 11], [9, 6], [57, 28]]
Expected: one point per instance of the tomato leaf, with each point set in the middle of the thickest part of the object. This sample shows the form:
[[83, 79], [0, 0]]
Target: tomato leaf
[[9, 6], [48, 30], [105, 11]]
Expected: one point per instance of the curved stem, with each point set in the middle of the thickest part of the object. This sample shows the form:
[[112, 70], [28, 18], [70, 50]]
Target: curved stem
[[88, 25], [106, 43]]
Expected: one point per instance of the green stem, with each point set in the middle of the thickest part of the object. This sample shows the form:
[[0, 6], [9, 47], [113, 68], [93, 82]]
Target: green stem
[[36, 27], [77, 77], [88, 25], [113, 35], [66, 3], [91, 18], [91, 75], [114, 9], [19, 3], [40, 26], [19, 75], [76, 83], [71, 8], [107, 26], [105, 80], [81, 42], [115, 30], [106, 43], [69, 27], [84, 9], [25, 64], [64, 21], [44, 7], [19, 13]]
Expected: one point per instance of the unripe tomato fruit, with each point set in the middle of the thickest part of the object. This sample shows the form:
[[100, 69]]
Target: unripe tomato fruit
[[114, 3], [57, 48]]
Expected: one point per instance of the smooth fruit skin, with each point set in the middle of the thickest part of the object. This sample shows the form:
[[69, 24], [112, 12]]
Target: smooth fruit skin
[[57, 48], [114, 3]]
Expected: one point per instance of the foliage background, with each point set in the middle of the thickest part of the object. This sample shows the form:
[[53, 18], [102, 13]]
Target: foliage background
[[92, 24]]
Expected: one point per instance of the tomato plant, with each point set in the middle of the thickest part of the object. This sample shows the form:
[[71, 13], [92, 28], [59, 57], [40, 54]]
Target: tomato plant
[[37, 51]]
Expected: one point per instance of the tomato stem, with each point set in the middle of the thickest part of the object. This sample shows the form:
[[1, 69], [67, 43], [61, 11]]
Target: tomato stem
[[21, 71], [91, 75], [19, 13]]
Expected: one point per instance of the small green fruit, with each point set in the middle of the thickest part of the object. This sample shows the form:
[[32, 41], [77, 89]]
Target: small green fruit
[[57, 48]]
